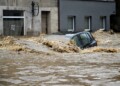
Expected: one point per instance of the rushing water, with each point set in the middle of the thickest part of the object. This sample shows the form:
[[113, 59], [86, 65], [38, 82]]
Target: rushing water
[[29, 69]]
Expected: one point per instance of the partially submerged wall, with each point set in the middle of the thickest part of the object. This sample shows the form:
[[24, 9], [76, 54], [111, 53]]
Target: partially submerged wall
[[25, 5]]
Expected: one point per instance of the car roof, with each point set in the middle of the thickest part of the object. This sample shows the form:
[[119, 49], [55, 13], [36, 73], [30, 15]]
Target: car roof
[[73, 35], [81, 33]]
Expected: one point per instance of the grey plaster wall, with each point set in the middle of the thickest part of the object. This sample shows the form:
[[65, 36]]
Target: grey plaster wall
[[80, 9]]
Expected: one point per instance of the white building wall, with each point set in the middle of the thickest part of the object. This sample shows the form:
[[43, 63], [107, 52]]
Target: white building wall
[[1, 21], [36, 30]]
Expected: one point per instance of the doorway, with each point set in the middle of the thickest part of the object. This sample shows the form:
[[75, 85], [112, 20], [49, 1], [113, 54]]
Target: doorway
[[115, 22], [45, 21]]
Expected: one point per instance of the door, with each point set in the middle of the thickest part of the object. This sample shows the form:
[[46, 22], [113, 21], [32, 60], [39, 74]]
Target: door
[[13, 26], [45, 22]]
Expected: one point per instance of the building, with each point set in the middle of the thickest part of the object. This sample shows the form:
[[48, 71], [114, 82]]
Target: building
[[32, 17], [85, 15], [28, 17]]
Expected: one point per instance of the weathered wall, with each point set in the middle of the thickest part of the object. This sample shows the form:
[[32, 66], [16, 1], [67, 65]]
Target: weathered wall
[[48, 3], [25, 5], [42, 3], [1, 21], [80, 9]]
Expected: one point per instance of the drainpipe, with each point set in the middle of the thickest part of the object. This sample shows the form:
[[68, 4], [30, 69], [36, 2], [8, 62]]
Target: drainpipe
[[32, 22]]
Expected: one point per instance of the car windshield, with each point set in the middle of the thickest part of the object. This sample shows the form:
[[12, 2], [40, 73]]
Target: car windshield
[[77, 41], [85, 39], [82, 39]]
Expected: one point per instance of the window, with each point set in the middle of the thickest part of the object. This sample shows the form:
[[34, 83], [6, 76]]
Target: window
[[88, 23], [71, 23], [13, 22], [103, 22], [12, 13]]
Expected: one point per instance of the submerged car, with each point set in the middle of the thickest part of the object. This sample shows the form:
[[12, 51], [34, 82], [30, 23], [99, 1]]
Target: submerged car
[[83, 39]]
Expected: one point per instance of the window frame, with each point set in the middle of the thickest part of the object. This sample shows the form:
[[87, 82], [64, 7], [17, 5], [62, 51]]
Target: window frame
[[103, 22], [88, 20], [21, 16], [73, 23]]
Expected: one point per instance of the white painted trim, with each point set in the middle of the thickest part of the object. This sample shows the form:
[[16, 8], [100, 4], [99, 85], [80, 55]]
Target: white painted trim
[[24, 22], [70, 30], [13, 17], [73, 23], [89, 23], [103, 22]]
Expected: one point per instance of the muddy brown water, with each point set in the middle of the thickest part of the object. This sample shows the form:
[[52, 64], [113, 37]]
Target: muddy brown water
[[40, 65], [66, 69]]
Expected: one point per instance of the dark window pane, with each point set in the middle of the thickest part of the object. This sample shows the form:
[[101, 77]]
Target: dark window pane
[[12, 13], [13, 26]]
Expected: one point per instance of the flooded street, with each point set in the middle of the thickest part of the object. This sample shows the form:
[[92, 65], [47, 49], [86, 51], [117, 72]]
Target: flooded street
[[51, 61], [31, 69]]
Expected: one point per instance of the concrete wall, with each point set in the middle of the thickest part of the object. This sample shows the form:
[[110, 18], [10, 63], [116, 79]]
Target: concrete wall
[[25, 5], [80, 9]]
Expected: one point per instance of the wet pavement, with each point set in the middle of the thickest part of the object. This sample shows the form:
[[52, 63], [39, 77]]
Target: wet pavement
[[63, 69]]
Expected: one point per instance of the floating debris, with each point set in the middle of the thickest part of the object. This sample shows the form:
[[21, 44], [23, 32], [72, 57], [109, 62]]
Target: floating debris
[[100, 49], [61, 47]]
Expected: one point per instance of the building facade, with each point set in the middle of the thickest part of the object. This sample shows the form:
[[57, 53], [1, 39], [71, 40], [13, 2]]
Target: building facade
[[32, 17], [85, 15], [17, 17]]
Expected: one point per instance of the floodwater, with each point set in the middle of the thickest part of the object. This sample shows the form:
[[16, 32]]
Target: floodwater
[[31, 69], [33, 61]]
